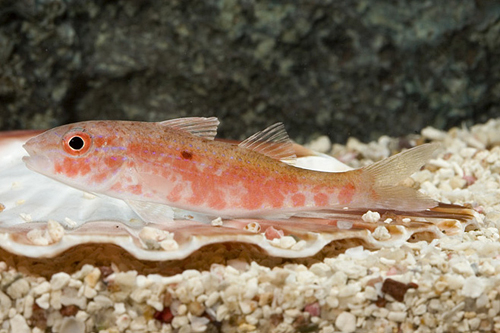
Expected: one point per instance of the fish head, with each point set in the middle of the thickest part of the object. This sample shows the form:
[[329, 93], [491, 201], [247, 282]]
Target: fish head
[[85, 155]]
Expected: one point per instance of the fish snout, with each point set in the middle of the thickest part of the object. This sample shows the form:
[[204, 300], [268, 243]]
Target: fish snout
[[39, 145], [36, 160], [29, 147]]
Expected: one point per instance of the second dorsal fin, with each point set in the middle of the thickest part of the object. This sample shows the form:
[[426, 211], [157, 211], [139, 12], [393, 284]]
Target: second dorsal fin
[[272, 142], [199, 126]]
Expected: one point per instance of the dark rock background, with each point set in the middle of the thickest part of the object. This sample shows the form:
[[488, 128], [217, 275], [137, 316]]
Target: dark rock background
[[344, 68]]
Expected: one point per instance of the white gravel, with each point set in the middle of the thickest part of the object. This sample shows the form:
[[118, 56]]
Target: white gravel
[[451, 284]]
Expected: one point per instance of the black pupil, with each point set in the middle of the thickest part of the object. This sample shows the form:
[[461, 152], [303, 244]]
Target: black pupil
[[76, 143]]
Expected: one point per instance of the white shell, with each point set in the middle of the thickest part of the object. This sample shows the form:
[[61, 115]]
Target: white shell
[[44, 218]]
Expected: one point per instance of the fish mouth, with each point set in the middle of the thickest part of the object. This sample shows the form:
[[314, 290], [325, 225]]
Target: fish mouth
[[35, 162], [39, 164], [27, 160]]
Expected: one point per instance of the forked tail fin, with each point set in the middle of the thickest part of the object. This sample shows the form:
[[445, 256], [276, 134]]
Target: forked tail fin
[[385, 177]]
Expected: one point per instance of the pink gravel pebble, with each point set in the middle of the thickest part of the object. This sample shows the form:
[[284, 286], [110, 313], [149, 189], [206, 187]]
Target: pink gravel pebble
[[313, 309], [272, 233]]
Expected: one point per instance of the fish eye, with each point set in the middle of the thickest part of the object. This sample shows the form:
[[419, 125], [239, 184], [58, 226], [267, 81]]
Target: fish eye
[[77, 142]]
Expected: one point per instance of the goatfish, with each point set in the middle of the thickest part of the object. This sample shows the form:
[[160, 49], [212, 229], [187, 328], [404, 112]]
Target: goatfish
[[176, 164]]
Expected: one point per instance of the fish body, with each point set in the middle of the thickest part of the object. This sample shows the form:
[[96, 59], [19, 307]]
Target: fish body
[[177, 164]]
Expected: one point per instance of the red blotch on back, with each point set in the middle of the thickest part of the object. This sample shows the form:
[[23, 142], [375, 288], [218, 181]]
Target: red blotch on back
[[216, 199], [298, 200], [276, 198], [175, 195], [346, 193], [321, 199], [251, 201], [254, 197]]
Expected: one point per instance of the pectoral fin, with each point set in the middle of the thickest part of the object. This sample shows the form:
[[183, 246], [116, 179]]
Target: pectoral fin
[[151, 212]]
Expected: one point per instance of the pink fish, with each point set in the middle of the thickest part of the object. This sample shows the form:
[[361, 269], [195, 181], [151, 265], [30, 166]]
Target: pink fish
[[177, 163]]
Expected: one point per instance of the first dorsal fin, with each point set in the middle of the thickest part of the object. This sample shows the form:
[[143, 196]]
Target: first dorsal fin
[[199, 126], [272, 142]]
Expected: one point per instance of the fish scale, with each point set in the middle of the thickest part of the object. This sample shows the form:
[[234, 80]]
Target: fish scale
[[236, 177]]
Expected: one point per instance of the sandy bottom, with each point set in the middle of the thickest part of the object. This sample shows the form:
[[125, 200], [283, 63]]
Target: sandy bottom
[[449, 284]]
